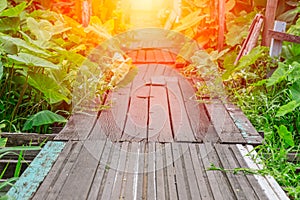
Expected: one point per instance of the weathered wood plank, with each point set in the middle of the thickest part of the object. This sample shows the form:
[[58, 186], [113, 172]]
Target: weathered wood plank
[[19, 139], [200, 174], [85, 167], [78, 127], [224, 125], [276, 45], [196, 112], [181, 179], [159, 119], [272, 182], [140, 176], [190, 171], [179, 118], [117, 188], [158, 56], [132, 172], [159, 173], [172, 190], [251, 178], [151, 179], [112, 121], [150, 72], [150, 56], [141, 56], [269, 21], [160, 69], [247, 130], [112, 168], [96, 185], [167, 56], [60, 164], [30, 180], [137, 116], [235, 180], [284, 36], [133, 55]]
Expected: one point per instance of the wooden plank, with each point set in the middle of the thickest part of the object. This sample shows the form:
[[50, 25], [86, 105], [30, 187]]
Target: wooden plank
[[167, 56], [139, 177], [172, 190], [137, 118], [150, 72], [251, 178], [247, 130], [196, 112], [179, 118], [269, 21], [112, 168], [30, 180], [276, 45], [158, 56], [150, 56], [112, 121], [60, 176], [269, 192], [239, 184], [213, 180], [181, 179], [78, 127], [168, 71], [161, 186], [200, 175], [221, 177], [59, 165], [284, 36], [151, 179], [224, 125], [160, 69], [141, 56], [96, 185], [19, 139], [117, 188], [272, 182], [190, 171], [85, 167], [159, 119]]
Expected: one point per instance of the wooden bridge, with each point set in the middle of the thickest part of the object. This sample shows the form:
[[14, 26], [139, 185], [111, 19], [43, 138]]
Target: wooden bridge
[[155, 142]]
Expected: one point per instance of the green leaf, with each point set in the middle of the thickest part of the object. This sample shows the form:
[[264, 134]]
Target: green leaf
[[9, 47], [20, 148], [43, 118], [279, 75], [48, 86], [14, 11], [34, 61], [3, 142], [9, 24], [285, 135], [287, 108], [3, 5], [295, 90], [1, 70], [42, 29], [128, 78]]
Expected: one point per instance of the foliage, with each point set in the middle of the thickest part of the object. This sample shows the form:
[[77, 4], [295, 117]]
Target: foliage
[[47, 62]]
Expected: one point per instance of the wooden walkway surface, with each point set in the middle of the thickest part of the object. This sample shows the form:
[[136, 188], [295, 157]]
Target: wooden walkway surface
[[155, 142]]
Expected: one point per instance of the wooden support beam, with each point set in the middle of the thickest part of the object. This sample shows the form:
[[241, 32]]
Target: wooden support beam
[[276, 45], [221, 24], [284, 36], [269, 21]]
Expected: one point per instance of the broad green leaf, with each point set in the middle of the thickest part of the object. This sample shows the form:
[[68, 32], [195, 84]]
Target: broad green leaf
[[14, 11], [43, 118], [2, 141], [41, 30], [279, 75], [1, 70], [23, 44], [295, 90], [286, 135], [34, 61], [9, 24], [290, 107], [3, 5], [9, 47], [48, 86]]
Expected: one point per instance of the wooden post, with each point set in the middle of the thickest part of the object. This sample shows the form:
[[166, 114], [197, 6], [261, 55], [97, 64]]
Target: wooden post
[[269, 21], [221, 24], [276, 45]]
